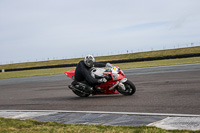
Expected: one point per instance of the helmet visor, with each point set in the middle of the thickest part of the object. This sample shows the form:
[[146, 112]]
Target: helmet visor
[[90, 63]]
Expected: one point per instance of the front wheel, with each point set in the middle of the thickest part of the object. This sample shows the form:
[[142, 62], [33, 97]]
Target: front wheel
[[129, 88]]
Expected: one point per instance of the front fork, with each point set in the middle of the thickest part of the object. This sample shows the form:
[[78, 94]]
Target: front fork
[[121, 85]]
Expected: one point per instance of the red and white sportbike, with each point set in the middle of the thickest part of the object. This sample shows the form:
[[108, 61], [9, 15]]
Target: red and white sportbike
[[116, 84]]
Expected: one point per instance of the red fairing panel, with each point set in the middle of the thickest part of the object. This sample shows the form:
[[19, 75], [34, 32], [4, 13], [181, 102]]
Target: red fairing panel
[[70, 74]]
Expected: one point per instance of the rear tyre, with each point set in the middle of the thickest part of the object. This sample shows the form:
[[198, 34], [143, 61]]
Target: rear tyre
[[130, 88], [79, 91]]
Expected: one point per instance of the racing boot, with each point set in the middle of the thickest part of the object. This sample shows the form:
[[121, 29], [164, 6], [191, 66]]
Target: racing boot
[[89, 89]]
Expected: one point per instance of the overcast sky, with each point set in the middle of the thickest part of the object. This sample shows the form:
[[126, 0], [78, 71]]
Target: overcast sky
[[33, 30]]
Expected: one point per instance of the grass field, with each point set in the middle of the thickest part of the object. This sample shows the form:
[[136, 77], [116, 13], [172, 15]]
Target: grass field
[[160, 53], [32, 126], [40, 72]]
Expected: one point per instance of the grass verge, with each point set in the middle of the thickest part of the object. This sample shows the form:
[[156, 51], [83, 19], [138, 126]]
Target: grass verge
[[54, 71], [33, 126], [159, 53]]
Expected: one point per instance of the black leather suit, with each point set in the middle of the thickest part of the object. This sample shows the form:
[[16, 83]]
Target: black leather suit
[[83, 73]]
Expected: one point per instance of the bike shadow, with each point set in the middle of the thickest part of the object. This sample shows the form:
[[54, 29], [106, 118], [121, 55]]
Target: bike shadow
[[76, 98], [117, 96]]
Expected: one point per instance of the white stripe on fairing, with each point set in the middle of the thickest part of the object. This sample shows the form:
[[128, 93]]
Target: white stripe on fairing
[[105, 112]]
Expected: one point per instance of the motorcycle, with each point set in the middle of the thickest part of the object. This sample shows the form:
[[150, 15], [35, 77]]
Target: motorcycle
[[116, 82]]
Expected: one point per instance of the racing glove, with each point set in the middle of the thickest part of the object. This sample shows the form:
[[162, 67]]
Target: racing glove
[[102, 80]]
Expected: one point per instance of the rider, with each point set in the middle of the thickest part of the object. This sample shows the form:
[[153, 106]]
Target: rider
[[83, 73]]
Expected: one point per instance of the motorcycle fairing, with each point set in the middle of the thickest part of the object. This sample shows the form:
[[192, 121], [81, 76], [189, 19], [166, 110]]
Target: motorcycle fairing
[[70, 74]]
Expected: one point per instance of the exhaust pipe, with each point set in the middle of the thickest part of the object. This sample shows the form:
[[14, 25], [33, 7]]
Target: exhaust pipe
[[73, 88]]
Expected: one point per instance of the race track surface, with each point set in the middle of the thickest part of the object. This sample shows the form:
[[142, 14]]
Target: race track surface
[[172, 89]]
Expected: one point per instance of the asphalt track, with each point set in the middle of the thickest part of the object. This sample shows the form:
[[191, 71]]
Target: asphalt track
[[170, 89]]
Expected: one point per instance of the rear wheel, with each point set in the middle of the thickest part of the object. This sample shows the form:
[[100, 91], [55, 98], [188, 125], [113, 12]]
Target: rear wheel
[[79, 90], [129, 88]]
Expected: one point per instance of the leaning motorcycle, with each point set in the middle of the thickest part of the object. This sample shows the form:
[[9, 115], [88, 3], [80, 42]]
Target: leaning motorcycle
[[116, 84]]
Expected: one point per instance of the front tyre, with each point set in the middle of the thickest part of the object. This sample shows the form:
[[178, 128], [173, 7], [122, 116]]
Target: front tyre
[[129, 88]]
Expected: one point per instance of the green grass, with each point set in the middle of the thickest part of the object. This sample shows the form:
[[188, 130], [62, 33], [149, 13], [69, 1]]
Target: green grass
[[33, 126], [159, 63], [161, 53], [40, 72]]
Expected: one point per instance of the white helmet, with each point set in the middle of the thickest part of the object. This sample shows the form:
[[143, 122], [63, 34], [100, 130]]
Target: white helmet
[[89, 61]]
